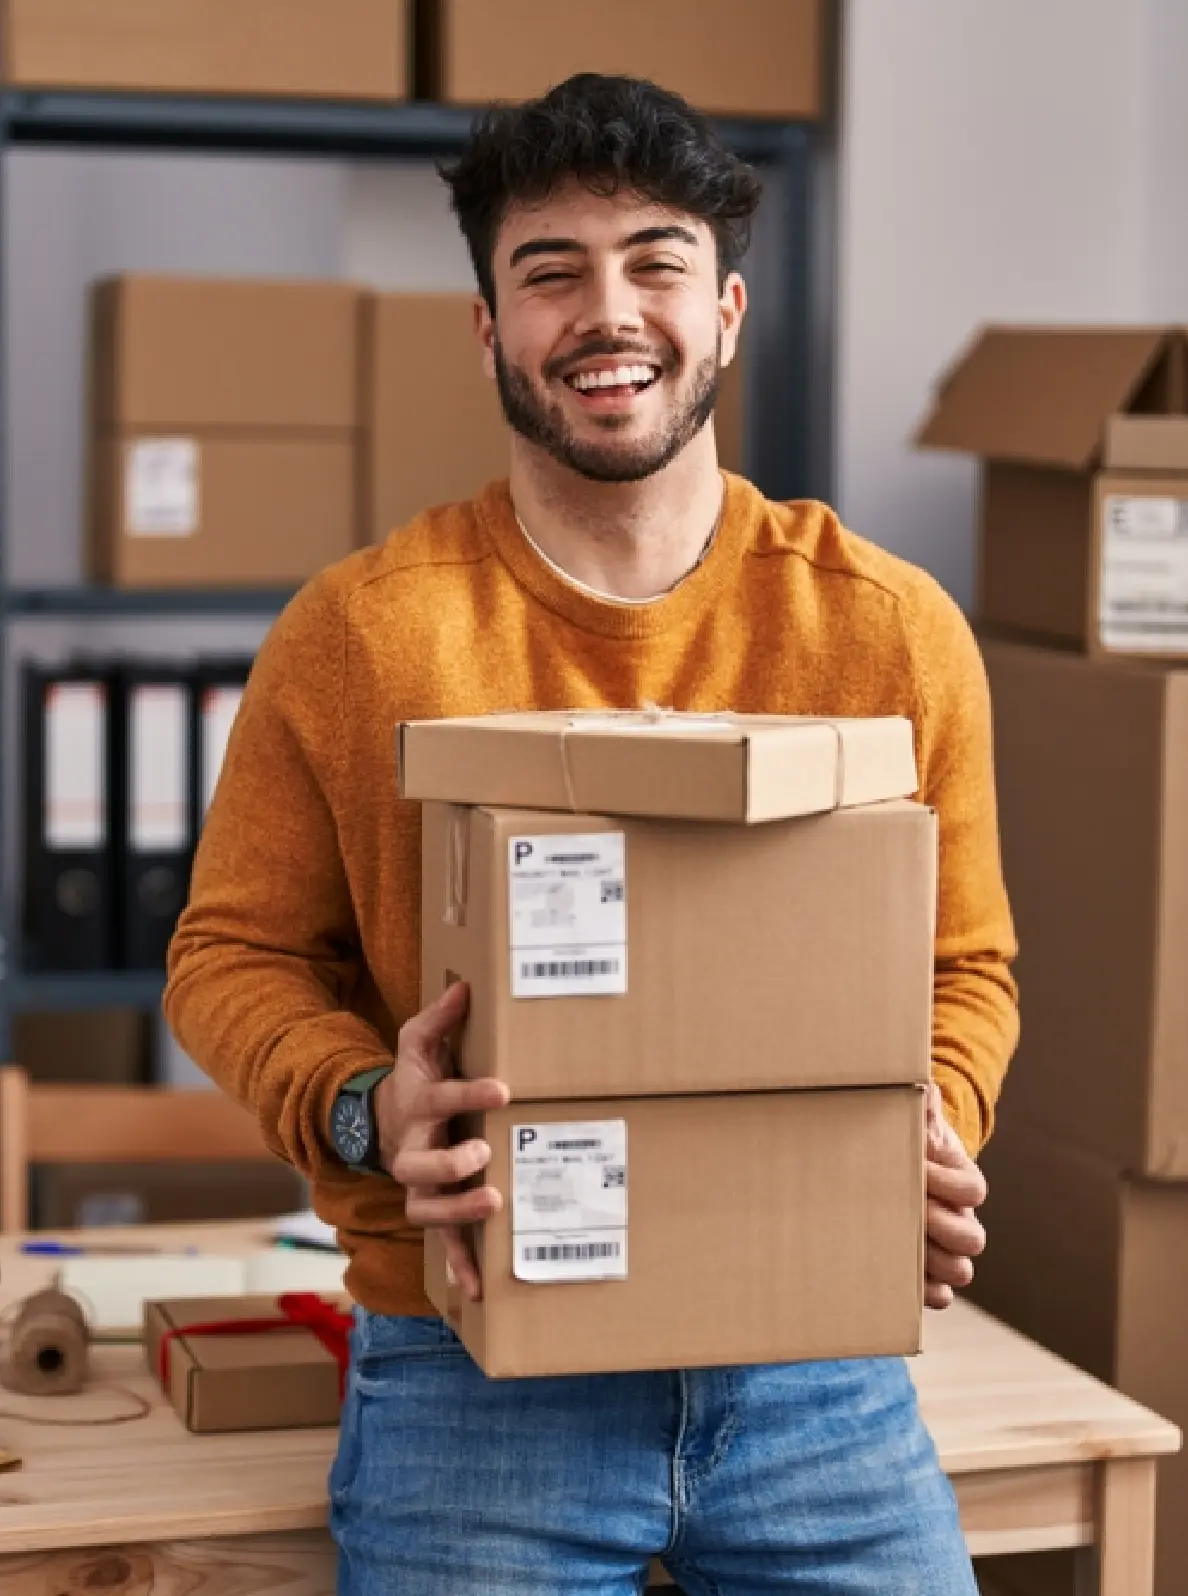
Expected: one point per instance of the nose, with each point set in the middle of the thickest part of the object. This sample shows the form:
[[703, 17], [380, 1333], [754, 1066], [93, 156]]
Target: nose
[[610, 305]]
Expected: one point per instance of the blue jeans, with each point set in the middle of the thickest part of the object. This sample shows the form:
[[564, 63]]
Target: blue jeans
[[816, 1478]]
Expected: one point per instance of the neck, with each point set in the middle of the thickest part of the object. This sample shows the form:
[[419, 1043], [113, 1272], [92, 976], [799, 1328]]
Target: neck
[[631, 540]]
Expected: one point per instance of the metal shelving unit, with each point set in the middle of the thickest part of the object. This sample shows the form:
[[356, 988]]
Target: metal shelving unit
[[779, 443]]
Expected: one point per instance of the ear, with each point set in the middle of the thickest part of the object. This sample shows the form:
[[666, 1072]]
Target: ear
[[732, 307], [484, 328]]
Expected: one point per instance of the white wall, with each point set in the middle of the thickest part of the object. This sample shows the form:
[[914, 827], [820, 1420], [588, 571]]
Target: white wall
[[998, 161]]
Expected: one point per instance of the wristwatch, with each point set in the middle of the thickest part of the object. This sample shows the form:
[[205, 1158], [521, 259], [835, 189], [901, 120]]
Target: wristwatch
[[353, 1130]]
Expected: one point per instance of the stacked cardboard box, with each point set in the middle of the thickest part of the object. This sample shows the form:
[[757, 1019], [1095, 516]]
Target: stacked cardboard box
[[700, 953], [1084, 608], [224, 430]]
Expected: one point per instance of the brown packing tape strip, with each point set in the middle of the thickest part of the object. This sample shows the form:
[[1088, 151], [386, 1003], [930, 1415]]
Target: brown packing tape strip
[[457, 865], [656, 715]]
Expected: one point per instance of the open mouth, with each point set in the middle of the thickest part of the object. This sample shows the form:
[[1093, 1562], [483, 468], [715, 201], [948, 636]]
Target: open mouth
[[614, 382]]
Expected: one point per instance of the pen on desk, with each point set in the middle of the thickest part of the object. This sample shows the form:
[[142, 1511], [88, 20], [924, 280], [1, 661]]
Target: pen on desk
[[69, 1249]]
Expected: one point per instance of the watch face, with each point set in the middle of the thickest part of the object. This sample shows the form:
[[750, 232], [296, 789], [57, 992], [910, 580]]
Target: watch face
[[352, 1128]]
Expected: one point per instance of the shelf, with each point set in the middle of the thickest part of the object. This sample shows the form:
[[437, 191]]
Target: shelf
[[76, 992], [284, 127], [87, 599]]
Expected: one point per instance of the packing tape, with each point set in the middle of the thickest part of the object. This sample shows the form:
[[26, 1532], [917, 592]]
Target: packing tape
[[457, 865]]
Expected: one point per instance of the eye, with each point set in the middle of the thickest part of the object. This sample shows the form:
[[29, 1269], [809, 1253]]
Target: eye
[[660, 267], [555, 275]]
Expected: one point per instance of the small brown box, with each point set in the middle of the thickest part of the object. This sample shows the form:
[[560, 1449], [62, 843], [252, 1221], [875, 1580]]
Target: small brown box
[[1084, 511], [608, 958], [221, 510], [1092, 768], [762, 1227], [742, 768], [282, 1380], [316, 49], [763, 58]]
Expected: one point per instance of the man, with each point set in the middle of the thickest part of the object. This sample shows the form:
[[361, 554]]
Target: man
[[617, 566]]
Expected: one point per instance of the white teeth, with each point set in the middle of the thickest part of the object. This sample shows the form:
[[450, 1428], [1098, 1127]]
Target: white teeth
[[619, 377]]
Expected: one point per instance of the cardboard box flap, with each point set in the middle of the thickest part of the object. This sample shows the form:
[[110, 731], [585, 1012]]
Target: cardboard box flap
[[1147, 443], [1041, 395], [678, 766]]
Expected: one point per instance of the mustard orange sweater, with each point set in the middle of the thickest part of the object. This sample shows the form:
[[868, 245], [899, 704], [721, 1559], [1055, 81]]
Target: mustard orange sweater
[[296, 960]]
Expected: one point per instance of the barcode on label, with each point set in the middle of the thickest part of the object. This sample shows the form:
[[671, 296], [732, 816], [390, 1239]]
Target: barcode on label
[[568, 969], [571, 1251]]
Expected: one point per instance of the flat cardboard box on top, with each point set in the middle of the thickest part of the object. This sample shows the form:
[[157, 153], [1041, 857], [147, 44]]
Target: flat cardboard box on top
[[750, 768], [1084, 515], [1092, 769], [254, 1381], [762, 58], [1086, 1260], [79, 1196], [708, 958], [760, 1228], [336, 49]]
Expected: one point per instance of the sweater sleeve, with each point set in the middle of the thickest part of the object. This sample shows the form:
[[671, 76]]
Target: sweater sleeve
[[975, 1014], [266, 955]]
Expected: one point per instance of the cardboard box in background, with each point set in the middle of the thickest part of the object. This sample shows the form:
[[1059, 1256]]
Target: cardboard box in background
[[224, 430], [742, 768], [762, 58], [760, 1227], [77, 1196], [1084, 515], [337, 49], [1092, 771], [433, 429], [201, 354], [1087, 1261], [221, 511], [610, 958], [105, 1045], [254, 1381]]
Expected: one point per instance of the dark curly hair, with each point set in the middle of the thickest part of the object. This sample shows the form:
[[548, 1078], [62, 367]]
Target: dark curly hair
[[610, 134]]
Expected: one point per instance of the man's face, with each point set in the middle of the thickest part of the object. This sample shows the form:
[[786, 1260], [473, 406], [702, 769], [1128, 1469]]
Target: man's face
[[610, 330]]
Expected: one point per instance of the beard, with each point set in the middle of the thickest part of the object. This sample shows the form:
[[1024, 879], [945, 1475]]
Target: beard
[[544, 422]]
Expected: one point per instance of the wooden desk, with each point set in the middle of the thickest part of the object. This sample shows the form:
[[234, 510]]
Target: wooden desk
[[1041, 1456]]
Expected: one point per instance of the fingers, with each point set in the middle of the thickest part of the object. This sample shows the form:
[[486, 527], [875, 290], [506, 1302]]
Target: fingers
[[460, 1269], [957, 1230], [959, 1187], [442, 1100], [937, 1296], [427, 1207], [446, 1166], [946, 1268], [425, 1032]]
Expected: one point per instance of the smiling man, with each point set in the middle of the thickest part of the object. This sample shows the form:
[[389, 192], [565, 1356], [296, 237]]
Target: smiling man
[[616, 566]]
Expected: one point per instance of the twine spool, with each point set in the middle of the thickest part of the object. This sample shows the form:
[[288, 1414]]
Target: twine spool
[[47, 1349]]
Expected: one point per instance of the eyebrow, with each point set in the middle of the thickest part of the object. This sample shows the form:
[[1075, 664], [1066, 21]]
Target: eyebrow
[[671, 232]]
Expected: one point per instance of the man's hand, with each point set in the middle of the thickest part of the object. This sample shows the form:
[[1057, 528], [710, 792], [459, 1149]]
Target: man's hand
[[955, 1187], [413, 1107]]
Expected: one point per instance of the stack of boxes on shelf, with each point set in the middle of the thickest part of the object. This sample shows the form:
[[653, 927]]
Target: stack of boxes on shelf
[[700, 952], [738, 57], [1084, 609]]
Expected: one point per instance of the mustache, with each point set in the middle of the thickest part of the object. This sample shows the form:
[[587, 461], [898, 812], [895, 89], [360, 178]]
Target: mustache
[[609, 349]]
